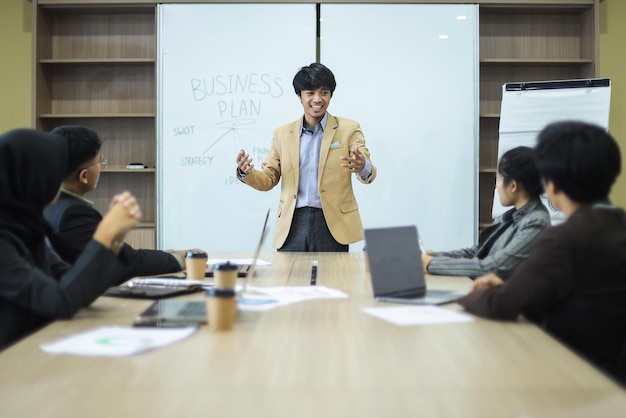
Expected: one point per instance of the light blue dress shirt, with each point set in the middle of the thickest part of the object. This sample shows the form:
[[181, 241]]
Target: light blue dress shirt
[[310, 143]]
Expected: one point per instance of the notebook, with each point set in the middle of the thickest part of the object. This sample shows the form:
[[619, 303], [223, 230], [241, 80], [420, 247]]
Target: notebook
[[173, 313], [396, 268]]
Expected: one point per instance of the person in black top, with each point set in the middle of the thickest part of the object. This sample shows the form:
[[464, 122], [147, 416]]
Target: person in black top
[[36, 286]]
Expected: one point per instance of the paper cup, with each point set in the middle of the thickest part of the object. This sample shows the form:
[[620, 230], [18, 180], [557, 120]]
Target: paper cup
[[195, 262], [225, 275], [221, 308]]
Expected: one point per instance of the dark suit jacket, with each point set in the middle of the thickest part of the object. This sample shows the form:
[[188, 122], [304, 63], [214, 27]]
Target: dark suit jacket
[[573, 284], [74, 222]]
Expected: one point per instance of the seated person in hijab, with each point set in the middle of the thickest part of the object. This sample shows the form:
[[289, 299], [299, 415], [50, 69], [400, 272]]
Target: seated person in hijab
[[36, 286], [74, 219], [573, 284], [508, 241]]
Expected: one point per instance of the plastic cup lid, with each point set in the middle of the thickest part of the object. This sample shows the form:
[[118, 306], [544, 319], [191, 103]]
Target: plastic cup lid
[[196, 254], [227, 266]]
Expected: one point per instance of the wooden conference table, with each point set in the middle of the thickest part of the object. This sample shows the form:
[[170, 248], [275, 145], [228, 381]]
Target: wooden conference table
[[323, 358]]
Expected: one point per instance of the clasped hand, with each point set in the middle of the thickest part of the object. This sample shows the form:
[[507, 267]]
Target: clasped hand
[[125, 210], [124, 214]]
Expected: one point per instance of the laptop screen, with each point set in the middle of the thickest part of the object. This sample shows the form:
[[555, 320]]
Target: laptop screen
[[257, 251], [394, 260]]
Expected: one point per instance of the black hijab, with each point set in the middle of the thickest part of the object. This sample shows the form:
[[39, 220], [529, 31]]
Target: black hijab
[[32, 167]]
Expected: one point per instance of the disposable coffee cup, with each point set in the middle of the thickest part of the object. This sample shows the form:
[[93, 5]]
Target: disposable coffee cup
[[221, 308], [195, 262], [225, 275]]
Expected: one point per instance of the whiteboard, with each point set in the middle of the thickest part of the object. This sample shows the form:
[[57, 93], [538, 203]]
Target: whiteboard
[[524, 113], [224, 83], [408, 73], [224, 77]]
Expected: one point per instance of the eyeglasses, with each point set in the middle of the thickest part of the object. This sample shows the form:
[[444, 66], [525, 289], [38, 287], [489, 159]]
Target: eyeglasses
[[102, 163]]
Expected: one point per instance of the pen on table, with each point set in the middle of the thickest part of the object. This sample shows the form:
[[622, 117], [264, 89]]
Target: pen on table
[[313, 272]]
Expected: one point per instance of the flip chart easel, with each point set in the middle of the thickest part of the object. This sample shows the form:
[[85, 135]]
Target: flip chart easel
[[529, 106]]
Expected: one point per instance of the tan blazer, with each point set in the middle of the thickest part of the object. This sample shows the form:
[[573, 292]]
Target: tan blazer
[[335, 185]]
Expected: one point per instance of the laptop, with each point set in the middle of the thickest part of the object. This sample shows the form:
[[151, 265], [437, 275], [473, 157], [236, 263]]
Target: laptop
[[396, 268], [181, 313]]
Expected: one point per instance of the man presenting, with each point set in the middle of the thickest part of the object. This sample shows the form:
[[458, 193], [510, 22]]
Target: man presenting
[[316, 157]]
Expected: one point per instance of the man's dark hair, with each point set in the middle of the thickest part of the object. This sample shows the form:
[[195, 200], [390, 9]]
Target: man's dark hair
[[581, 159], [84, 144], [313, 77], [519, 164]]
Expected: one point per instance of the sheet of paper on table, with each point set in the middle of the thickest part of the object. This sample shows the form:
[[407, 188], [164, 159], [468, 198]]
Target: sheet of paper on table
[[116, 341], [265, 298], [238, 261], [418, 315]]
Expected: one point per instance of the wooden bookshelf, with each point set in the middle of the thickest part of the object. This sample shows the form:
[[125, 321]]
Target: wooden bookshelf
[[95, 65]]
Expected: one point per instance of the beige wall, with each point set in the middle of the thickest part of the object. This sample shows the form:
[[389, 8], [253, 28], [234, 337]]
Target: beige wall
[[15, 79], [613, 65], [15, 71]]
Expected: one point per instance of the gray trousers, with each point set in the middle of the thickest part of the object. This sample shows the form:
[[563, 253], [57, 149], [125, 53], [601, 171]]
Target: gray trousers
[[309, 233]]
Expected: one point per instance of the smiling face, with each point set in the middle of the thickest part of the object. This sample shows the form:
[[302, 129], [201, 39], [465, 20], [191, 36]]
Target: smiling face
[[315, 103]]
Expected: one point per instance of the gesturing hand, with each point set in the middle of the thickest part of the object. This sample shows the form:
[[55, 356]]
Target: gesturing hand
[[355, 162], [244, 162]]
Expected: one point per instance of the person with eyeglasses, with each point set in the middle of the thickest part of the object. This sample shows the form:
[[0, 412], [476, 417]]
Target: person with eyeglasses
[[74, 219]]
